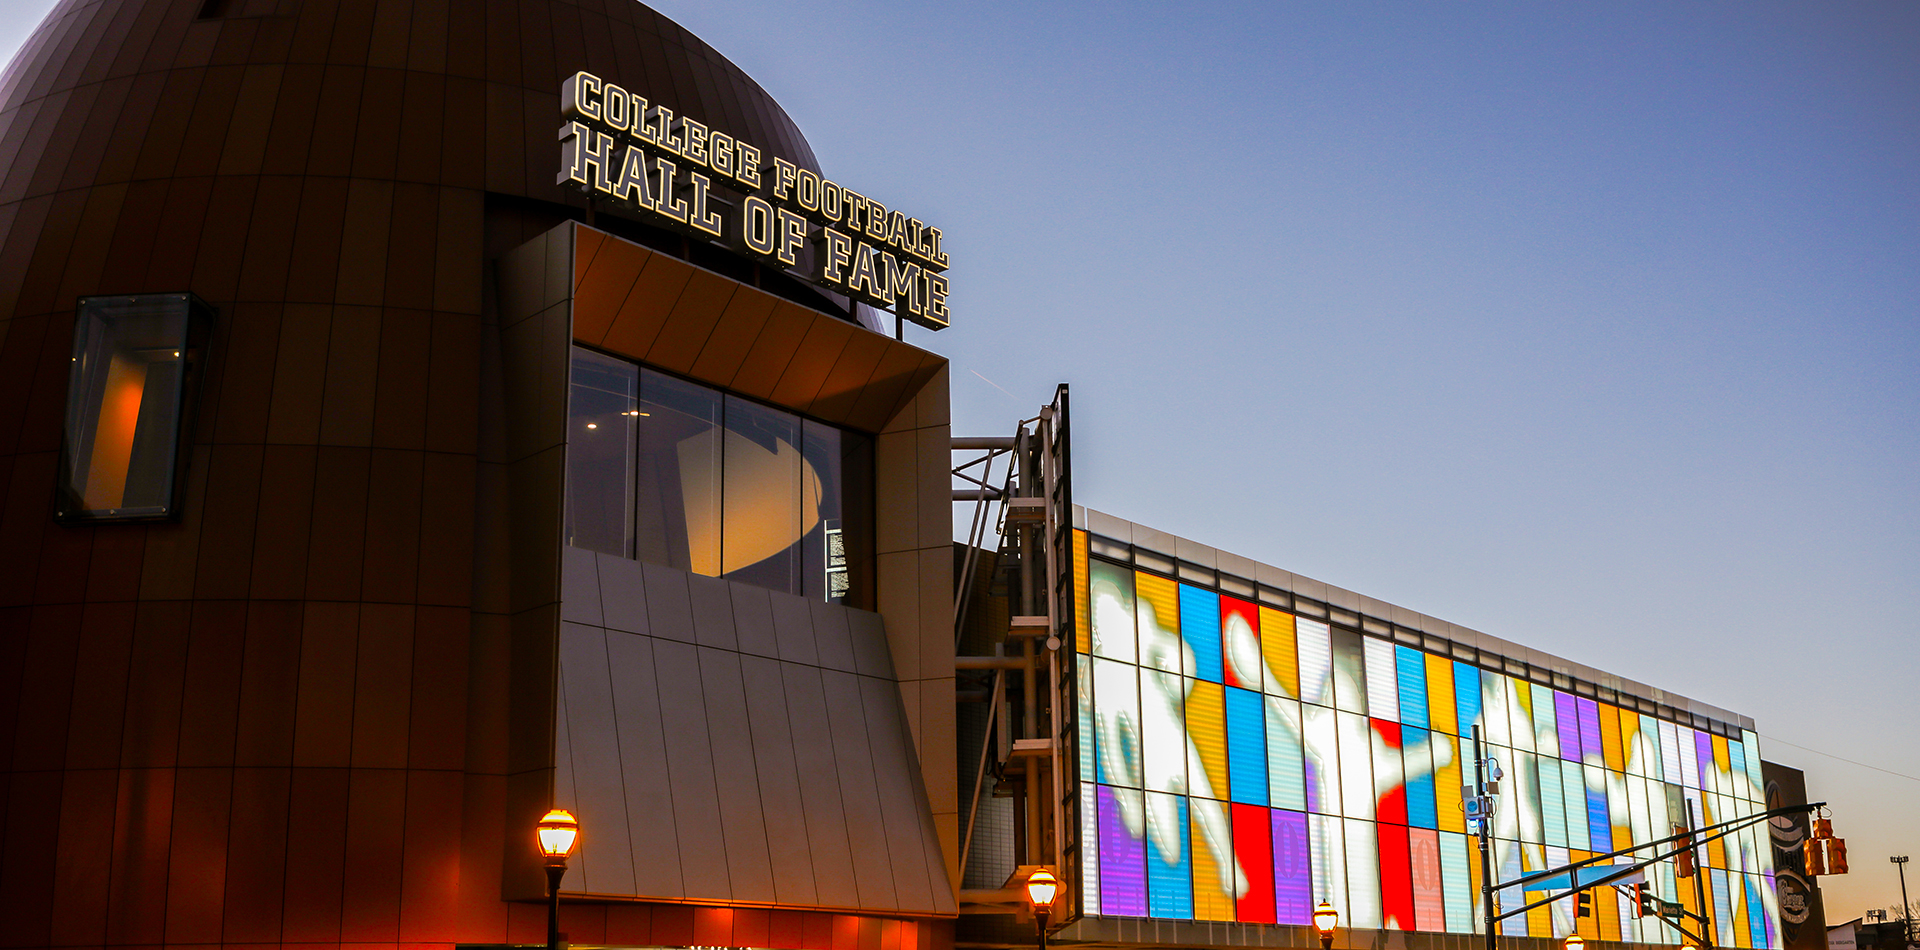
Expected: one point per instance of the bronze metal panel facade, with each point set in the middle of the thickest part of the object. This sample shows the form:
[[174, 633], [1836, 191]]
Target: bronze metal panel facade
[[313, 709]]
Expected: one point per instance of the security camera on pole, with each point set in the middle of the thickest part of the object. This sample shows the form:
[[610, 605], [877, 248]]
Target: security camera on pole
[[1478, 800]]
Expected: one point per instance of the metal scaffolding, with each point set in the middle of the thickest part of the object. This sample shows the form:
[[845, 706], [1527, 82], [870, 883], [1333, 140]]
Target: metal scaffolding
[[1016, 612]]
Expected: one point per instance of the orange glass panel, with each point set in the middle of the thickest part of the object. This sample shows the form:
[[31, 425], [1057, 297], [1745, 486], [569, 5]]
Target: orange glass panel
[[1446, 780], [1610, 737], [1440, 705], [1157, 602], [1207, 727], [1212, 838], [1278, 646], [1082, 625]]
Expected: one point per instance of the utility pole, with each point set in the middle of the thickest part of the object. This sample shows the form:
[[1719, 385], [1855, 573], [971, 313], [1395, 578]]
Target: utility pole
[[1483, 806], [1906, 909], [1700, 882]]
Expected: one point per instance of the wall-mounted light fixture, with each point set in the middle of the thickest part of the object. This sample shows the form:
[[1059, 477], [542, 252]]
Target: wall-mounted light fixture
[[129, 398]]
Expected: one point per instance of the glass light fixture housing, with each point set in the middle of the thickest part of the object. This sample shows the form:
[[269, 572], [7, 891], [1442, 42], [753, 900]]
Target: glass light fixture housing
[[558, 832], [1325, 918], [1041, 888], [129, 388]]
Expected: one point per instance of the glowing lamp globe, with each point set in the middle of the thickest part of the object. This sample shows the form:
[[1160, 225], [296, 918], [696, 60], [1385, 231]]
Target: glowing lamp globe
[[1325, 918], [1041, 887], [1574, 942], [558, 831]]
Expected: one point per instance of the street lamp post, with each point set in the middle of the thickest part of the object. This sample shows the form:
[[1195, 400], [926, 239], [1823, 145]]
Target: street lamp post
[[1906, 909], [1041, 888], [1325, 918], [556, 833]]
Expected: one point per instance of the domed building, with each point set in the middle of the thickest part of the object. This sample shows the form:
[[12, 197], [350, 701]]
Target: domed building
[[304, 628]]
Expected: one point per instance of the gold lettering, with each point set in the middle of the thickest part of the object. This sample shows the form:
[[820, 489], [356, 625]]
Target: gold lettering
[[836, 250], [580, 97], [695, 135], [699, 216], [756, 225], [783, 176], [747, 169], [668, 204]]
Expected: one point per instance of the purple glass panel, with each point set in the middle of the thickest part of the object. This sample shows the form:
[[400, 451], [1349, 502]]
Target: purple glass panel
[[1589, 727], [1292, 868], [1123, 861], [1566, 715], [1703, 748], [1313, 789]]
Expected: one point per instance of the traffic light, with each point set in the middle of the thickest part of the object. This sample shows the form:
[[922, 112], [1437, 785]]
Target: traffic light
[[1644, 903], [1583, 905], [1683, 859], [1815, 857], [1824, 853]]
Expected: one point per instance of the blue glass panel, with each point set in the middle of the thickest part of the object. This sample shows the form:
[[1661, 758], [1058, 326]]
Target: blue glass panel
[[1599, 824], [1246, 746], [1422, 811], [1169, 871], [1413, 687], [1756, 912], [1200, 627], [1466, 692]]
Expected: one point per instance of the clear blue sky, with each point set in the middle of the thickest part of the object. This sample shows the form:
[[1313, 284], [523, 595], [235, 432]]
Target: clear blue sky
[[1594, 327]]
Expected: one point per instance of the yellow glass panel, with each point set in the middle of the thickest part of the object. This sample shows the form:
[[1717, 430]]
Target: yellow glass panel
[[1606, 908], [1157, 601], [1610, 737], [1629, 728], [1440, 707], [1207, 726], [1539, 919], [1082, 624], [1278, 646], [1211, 899], [1446, 783], [1722, 762], [1743, 936]]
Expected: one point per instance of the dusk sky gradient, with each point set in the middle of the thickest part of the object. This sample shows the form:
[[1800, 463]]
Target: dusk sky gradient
[[1592, 327]]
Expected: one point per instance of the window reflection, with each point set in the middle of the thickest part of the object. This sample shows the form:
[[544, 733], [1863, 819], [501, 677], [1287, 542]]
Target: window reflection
[[676, 473], [679, 474], [603, 409]]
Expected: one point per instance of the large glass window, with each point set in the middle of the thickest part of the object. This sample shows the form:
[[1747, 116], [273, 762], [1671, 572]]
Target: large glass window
[[673, 472], [127, 389]]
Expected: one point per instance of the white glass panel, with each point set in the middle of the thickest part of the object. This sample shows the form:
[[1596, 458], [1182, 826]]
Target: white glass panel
[[1383, 682]]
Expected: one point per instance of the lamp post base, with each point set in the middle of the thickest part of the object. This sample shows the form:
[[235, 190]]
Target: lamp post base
[[554, 873]]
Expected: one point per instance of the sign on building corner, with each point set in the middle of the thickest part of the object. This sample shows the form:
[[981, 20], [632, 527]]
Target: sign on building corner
[[671, 169]]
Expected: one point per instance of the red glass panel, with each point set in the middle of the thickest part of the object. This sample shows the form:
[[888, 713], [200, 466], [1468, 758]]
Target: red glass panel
[[1253, 846], [1396, 879], [1429, 905], [1241, 643], [1392, 806]]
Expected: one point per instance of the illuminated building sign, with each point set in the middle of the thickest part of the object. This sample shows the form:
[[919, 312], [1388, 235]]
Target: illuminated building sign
[[669, 168]]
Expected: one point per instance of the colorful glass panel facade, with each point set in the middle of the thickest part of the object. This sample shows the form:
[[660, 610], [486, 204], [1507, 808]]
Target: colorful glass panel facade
[[1249, 763]]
